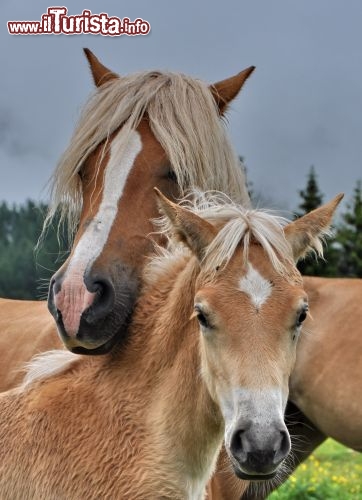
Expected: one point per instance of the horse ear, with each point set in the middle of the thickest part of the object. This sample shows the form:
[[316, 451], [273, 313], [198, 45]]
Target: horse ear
[[188, 227], [100, 73], [226, 90], [306, 234]]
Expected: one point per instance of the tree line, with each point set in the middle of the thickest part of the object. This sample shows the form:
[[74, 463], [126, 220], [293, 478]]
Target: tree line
[[343, 252], [25, 270]]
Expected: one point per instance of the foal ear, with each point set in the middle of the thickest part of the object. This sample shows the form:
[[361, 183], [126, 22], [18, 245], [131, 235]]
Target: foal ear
[[100, 73], [226, 90], [305, 234], [188, 227]]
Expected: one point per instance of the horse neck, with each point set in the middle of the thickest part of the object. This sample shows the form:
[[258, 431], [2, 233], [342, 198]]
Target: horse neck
[[183, 428], [164, 311]]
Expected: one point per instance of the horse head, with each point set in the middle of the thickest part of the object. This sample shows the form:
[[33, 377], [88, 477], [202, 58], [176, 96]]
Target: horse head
[[136, 132], [250, 305]]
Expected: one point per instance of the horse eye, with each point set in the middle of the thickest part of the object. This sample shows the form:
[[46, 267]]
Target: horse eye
[[171, 176], [201, 318], [302, 316]]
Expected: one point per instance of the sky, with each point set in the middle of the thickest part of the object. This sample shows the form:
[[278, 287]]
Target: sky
[[301, 107]]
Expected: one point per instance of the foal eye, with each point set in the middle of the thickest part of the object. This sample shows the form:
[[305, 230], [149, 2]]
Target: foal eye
[[302, 315], [201, 318]]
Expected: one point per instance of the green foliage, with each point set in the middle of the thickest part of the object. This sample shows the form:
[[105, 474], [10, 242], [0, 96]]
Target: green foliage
[[343, 253], [22, 269], [311, 196], [333, 472], [349, 237]]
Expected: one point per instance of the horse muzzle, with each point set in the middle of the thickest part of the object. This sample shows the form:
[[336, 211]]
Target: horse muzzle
[[255, 457], [92, 316]]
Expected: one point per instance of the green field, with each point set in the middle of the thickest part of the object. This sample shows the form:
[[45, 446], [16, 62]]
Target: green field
[[333, 472]]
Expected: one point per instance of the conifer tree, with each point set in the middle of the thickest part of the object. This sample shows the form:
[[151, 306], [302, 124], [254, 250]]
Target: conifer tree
[[312, 198], [25, 274], [349, 237]]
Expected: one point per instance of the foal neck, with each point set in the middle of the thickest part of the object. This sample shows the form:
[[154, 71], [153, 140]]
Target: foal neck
[[184, 427]]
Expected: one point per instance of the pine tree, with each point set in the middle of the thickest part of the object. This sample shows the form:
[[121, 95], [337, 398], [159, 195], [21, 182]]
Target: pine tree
[[349, 237], [22, 270], [312, 198]]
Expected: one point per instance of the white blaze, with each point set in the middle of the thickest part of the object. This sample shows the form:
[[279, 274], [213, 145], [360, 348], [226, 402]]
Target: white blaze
[[74, 298], [96, 235], [255, 286]]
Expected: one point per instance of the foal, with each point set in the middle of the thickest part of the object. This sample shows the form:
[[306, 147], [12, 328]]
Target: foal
[[213, 343]]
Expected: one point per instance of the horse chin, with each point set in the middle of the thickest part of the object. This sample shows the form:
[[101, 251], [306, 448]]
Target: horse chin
[[253, 477], [97, 339], [102, 349]]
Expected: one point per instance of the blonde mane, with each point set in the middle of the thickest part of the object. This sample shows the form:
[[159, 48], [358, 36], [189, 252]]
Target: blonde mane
[[236, 224], [183, 117], [48, 364]]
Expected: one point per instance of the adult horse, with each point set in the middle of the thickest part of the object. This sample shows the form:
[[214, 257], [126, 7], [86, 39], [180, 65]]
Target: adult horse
[[136, 132], [211, 348], [26, 328]]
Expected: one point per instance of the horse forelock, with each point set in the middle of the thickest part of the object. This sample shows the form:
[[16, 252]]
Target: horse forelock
[[183, 117], [236, 224]]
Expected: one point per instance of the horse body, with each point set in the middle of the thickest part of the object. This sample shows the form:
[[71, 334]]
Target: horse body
[[26, 329], [209, 357], [326, 382], [130, 460]]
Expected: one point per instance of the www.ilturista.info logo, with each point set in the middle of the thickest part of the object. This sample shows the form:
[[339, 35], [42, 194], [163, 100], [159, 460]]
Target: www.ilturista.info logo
[[57, 22]]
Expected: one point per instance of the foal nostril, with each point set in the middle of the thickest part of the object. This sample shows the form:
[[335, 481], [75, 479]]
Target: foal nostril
[[236, 444], [104, 300], [284, 447]]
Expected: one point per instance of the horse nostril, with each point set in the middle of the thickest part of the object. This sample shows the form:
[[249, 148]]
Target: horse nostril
[[54, 288], [284, 447], [236, 444], [285, 444], [104, 300], [55, 285], [104, 290]]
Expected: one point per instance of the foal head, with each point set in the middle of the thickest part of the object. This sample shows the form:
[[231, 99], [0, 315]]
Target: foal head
[[137, 132], [250, 305]]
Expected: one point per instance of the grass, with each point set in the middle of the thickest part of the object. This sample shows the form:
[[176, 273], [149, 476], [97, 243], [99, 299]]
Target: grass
[[333, 472]]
